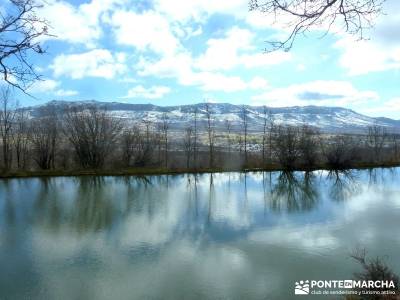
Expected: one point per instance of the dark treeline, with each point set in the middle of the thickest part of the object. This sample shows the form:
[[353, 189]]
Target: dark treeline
[[91, 138]]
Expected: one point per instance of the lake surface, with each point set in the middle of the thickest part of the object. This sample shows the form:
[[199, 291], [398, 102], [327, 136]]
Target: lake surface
[[220, 236]]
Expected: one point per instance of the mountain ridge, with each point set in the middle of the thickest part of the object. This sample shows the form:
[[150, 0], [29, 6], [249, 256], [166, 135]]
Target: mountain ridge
[[326, 118]]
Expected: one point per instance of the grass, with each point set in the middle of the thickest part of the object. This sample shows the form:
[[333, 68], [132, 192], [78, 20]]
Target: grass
[[174, 171]]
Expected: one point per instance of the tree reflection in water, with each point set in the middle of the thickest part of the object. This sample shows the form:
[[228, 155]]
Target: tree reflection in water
[[344, 184], [86, 208], [46, 207], [211, 199], [6, 192], [90, 204], [192, 194], [294, 192], [156, 231], [94, 210], [380, 176], [267, 184]]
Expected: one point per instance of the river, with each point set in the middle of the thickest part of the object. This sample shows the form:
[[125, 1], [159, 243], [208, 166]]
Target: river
[[208, 236]]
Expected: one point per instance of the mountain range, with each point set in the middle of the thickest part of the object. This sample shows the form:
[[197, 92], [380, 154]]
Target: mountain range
[[327, 119]]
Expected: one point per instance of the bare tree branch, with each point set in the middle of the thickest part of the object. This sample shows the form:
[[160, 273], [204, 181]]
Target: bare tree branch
[[354, 16], [20, 34]]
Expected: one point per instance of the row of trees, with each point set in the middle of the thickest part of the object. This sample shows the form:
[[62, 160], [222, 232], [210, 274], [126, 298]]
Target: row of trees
[[92, 138]]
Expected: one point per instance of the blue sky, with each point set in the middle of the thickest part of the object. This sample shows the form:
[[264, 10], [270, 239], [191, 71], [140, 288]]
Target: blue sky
[[170, 52]]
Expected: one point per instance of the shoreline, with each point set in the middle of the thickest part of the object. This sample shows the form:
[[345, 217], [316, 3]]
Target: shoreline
[[149, 171]]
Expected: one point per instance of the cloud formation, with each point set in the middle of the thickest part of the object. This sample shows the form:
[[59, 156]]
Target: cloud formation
[[380, 52], [342, 93], [102, 49], [154, 92], [94, 63], [50, 86]]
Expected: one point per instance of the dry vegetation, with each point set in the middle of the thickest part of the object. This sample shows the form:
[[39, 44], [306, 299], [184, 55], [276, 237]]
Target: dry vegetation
[[92, 140]]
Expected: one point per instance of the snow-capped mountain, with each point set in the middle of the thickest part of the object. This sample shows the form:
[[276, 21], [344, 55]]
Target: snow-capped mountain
[[327, 119]]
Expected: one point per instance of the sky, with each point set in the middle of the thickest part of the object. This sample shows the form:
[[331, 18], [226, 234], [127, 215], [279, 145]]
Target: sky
[[171, 52]]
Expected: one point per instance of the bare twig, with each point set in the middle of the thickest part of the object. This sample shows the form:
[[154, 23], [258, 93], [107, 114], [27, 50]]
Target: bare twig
[[354, 16], [20, 33]]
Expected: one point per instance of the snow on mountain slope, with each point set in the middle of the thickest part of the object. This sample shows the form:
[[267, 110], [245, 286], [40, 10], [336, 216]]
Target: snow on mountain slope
[[328, 119]]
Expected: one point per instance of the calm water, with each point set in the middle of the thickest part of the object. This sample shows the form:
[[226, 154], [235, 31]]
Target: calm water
[[221, 236]]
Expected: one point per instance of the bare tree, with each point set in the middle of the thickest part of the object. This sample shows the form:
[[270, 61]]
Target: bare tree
[[165, 128], [195, 137], [210, 134], [159, 138], [267, 134], [20, 33], [375, 269], [43, 136], [341, 152], [21, 136], [128, 146], [228, 128], [308, 145], [245, 125], [270, 135], [7, 117], [142, 144], [92, 133], [188, 143], [377, 136], [51, 116], [287, 146], [264, 137], [353, 16], [147, 126], [240, 142], [395, 145]]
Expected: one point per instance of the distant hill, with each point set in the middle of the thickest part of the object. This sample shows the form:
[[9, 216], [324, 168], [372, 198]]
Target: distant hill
[[327, 119]]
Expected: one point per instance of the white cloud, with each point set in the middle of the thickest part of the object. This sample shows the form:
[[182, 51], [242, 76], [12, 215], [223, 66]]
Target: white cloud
[[236, 49], [180, 68], [301, 67], [50, 86], [261, 20], [83, 24], [392, 105], [363, 57], [66, 93], [159, 30], [69, 24], [128, 80], [154, 92], [146, 31], [76, 25], [158, 37], [95, 63], [222, 53], [212, 81], [265, 59], [199, 10], [380, 52], [209, 81], [390, 109], [43, 86], [283, 23], [258, 83], [206, 71], [332, 93]]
